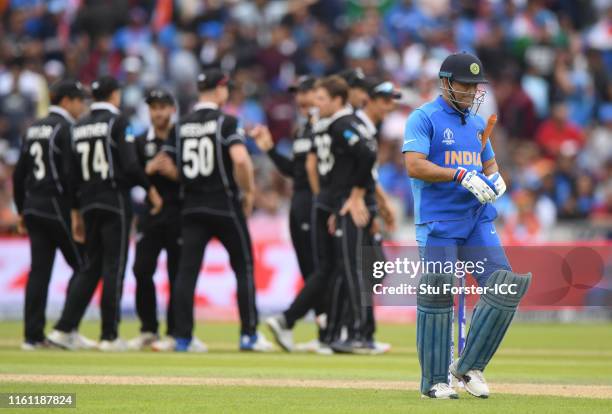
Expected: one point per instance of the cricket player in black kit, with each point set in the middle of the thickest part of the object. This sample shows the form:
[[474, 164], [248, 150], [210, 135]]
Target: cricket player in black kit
[[301, 167], [345, 160], [105, 167], [300, 214], [43, 198], [217, 181], [157, 156], [380, 103]]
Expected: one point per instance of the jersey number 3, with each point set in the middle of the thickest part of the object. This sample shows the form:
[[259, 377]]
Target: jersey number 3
[[99, 164], [198, 157], [36, 151]]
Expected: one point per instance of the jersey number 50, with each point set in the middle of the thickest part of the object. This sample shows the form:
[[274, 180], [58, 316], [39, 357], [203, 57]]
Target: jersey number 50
[[198, 157]]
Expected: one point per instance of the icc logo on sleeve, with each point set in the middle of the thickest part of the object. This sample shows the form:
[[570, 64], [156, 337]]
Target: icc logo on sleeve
[[150, 149], [448, 137]]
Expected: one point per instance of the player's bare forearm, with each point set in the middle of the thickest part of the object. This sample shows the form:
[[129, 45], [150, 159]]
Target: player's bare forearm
[[490, 167], [419, 167], [358, 192], [243, 168], [313, 175]]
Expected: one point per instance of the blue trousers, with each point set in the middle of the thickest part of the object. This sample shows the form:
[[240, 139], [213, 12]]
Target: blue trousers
[[471, 240]]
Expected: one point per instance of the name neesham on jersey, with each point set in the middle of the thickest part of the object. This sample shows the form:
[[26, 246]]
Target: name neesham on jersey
[[197, 129]]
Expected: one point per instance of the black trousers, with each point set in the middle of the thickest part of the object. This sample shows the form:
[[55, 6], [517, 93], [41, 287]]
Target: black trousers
[[106, 246], [46, 235], [340, 297], [351, 288], [315, 293], [154, 234], [300, 228], [231, 229]]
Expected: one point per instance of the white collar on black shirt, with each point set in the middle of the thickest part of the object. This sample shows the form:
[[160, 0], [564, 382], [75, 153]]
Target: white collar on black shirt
[[151, 134], [205, 105], [323, 123], [61, 112], [367, 121], [347, 110], [105, 106]]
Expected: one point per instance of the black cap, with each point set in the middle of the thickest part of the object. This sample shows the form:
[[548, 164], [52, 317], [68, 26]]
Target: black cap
[[159, 95], [386, 89], [103, 87], [463, 67], [66, 88], [302, 84], [211, 78], [354, 77]]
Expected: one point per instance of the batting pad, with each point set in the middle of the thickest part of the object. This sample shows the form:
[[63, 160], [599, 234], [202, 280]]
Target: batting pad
[[492, 317], [434, 328]]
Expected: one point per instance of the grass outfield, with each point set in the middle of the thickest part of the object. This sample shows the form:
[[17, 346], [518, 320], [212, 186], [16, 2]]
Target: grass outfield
[[569, 355]]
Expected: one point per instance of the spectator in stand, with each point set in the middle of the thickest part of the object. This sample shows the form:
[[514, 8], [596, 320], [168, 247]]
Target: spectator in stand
[[558, 130], [516, 111]]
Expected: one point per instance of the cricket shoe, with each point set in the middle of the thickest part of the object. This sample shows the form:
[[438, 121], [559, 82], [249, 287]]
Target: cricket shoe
[[324, 349], [63, 340], [350, 346], [142, 341], [441, 391], [255, 343], [116, 345], [35, 345], [473, 381], [193, 345], [282, 334], [164, 345], [82, 342], [374, 348]]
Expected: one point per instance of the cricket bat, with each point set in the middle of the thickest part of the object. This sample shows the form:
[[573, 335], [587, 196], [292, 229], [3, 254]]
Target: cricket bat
[[488, 129]]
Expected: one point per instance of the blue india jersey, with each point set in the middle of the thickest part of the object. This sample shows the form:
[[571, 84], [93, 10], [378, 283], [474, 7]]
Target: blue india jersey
[[436, 130]]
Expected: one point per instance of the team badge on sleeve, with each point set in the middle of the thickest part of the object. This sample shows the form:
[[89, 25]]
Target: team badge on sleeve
[[129, 134], [351, 136]]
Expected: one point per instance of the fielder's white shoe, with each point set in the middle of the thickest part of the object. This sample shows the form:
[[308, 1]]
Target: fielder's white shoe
[[34, 346], [255, 343], [310, 346], [64, 340], [380, 348], [166, 344], [282, 334], [142, 341], [441, 391], [117, 345], [324, 349], [473, 381], [197, 346], [82, 342]]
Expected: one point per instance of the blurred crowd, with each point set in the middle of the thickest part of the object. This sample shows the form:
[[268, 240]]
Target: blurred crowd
[[548, 61]]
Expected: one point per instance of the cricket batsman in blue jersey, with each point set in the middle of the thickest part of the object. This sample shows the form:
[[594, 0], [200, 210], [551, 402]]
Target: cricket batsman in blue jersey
[[455, 180]]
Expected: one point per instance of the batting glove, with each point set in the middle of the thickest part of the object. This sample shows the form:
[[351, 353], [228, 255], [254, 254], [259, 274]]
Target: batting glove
[[477, 184], [499, 183]]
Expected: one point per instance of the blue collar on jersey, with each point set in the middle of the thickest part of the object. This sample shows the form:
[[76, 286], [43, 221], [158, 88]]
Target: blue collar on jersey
[[450, 110]]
